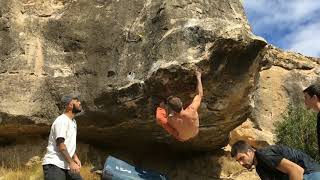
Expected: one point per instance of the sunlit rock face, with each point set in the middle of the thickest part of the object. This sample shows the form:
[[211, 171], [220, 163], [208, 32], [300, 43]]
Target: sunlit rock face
[[283, 77], [117, 54]]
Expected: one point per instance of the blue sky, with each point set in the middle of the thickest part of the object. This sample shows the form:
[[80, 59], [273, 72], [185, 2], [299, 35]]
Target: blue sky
[[292, 25]]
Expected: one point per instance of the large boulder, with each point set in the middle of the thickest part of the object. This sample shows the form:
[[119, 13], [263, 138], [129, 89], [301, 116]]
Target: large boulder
[[117, 54]]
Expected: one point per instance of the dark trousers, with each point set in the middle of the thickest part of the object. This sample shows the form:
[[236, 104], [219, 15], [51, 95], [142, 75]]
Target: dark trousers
[[52, 172]]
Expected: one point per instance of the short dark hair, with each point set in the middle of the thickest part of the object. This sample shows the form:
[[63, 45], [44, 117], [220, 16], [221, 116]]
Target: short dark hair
[[174, 104], [312, 90], [240, 147], [66, 99]]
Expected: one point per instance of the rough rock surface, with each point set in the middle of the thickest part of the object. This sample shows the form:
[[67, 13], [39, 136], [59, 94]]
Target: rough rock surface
[[283, 77], [247, 131], [118, 54]]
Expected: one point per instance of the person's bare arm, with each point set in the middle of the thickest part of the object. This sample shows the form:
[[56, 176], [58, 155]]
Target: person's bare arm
[[74, 167], [197, 99], [293, 170], [199, 83]]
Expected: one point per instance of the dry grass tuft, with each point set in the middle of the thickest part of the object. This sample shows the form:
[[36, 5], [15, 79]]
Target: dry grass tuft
[[36, 173], [20, 162]]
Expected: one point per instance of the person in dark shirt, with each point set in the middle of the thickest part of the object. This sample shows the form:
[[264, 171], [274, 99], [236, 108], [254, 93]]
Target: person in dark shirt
[[312, 101], [276, 162]]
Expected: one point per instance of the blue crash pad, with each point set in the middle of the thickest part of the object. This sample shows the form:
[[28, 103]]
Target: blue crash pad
[[116, 169]]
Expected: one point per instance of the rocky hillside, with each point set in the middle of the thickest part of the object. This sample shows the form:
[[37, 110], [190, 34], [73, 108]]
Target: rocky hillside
[[283, 77]]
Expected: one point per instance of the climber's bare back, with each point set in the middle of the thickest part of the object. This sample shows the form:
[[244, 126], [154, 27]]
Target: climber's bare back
[[187, 121]]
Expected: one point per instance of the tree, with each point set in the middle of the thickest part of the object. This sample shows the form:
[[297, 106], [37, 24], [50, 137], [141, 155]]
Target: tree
[[297, 129]]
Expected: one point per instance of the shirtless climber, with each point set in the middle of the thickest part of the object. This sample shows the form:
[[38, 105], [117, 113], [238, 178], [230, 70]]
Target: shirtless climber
[[183, 124]]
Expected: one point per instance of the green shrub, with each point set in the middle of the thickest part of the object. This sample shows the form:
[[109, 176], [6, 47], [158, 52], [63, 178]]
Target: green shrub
[[297, 129]]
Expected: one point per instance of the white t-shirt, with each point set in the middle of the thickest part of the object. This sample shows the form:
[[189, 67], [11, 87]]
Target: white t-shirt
[[66, 128]]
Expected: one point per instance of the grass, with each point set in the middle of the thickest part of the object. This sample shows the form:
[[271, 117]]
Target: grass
[[32, 173], [13, 160], [86, 174], [36, 173]]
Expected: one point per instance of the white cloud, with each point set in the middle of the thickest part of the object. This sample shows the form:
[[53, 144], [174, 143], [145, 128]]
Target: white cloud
[[294, 22], [276, 10], [305, 40]]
